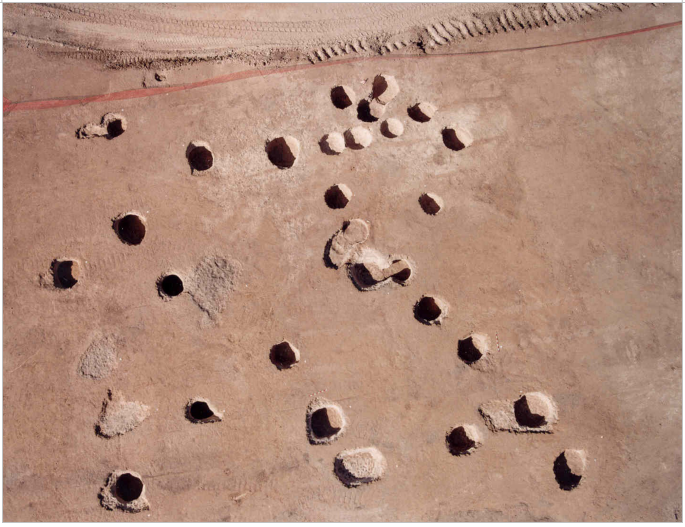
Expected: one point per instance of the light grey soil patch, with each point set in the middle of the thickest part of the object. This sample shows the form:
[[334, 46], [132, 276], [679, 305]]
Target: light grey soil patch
[[200, 410], [124, 490], [100, 359], [359, 466], [212, 282], [112, 125], [326, 421], [501, 415], [344, 243], [119, 416]]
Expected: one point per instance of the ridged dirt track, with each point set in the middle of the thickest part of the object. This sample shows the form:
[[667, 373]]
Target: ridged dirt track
[[137, 34]]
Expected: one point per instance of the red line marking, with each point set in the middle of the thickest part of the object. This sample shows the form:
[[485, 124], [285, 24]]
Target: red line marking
[[8, 106]]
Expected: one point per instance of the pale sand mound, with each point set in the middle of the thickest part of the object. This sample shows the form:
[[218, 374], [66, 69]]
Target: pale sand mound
[[100, 359], [359, 466], [119, 416], [532, 412], [124, 490], [345, 242], [326, 421], [358, 138], [212, 283], [112, 125]]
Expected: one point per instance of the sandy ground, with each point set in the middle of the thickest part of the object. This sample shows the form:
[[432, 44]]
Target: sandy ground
[[559, 239]]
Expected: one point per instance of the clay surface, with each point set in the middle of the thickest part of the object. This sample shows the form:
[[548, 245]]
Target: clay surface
[[560, 240]]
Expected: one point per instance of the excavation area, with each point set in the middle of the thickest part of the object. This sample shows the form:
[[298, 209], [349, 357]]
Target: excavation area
[[342, 262]]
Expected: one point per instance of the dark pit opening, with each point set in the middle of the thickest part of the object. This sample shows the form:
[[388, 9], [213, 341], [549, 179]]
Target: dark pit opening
[[115, 128], [525, 417], [362, 276], [566, 479], [321, 424], [428, 204], [467, 351], [449, 137], [200, 411], [427, 309], [200, 158], [339, 98], [282, 355], [171, 285], [131, 229], [63, 273], [416, 114], [364, 112], [280, 154], [459, 442], [403, 275], [128, 487], [335, 198], [379, 86]]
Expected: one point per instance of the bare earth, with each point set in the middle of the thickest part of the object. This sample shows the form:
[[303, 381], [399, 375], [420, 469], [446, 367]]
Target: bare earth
[[558, 241]]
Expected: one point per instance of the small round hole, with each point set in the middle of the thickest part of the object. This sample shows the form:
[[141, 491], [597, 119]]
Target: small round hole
[[526, 417], [459, 442], [467, 351], [403, 275], [171, 285], [565, 477], [283, 151], [325, 422], [128, 487], [200, 411], [338, 196], [131, 229], [342, 97], [115, 128], [65, 273], [428, 309], [200, 158], [283, 355]]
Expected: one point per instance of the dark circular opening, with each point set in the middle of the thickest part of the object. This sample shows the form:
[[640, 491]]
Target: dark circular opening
[[449, 137], [282, 355], [280, 154], [200, 411], [200, 158], [321, 424], [131, 229], [566, 479], [467, 351], [171, 285], [416, 114], [458, 441], [63, 273], [428, 309], [525, 417], [428, 204], [128, 487], [362, 276], [364, 112], [403, 275], [335, 198], [115, 128], [339, 98]]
